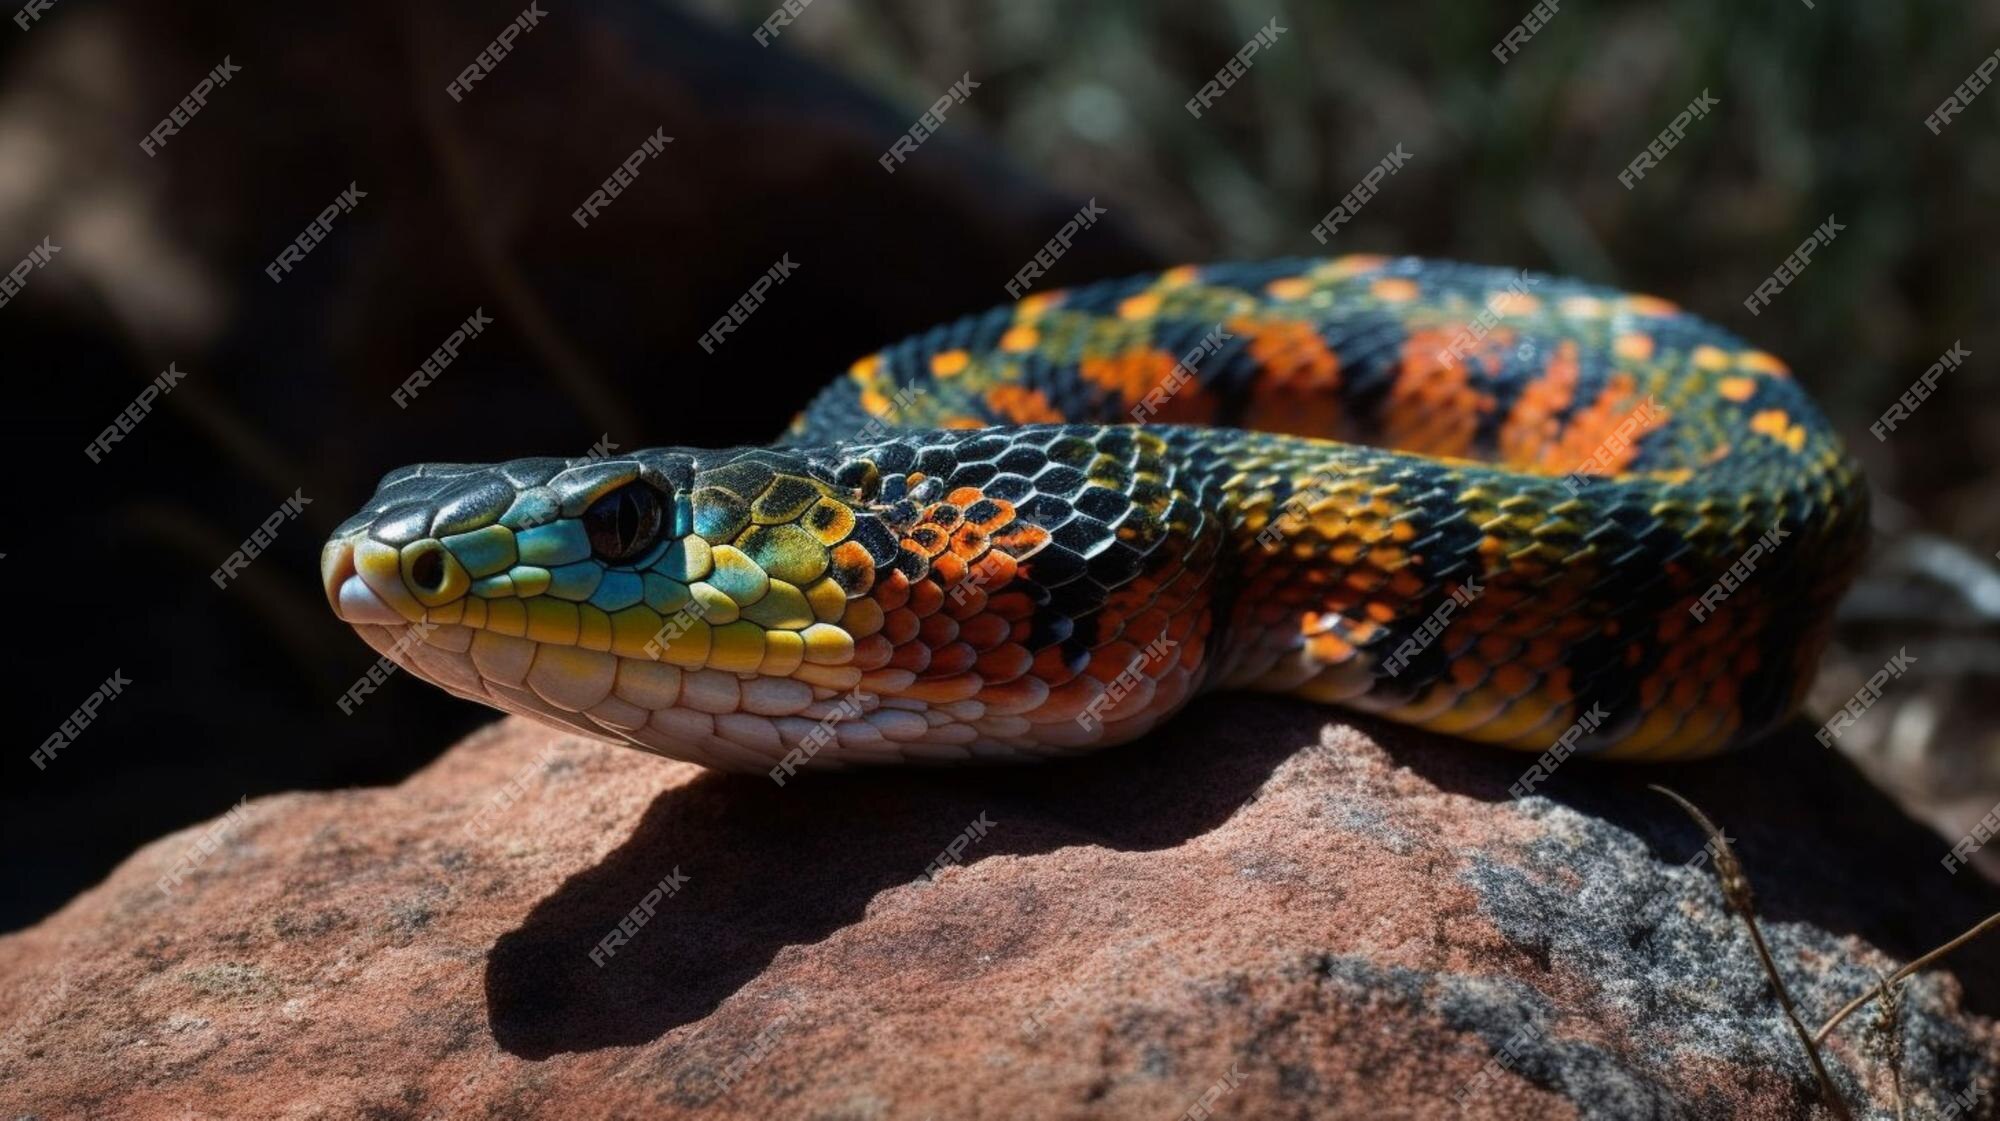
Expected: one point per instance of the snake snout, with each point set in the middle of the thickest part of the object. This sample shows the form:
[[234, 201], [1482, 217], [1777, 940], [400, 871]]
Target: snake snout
[[364, 582]]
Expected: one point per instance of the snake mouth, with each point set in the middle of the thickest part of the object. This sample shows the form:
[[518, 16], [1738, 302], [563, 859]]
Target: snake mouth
[[354, 597]]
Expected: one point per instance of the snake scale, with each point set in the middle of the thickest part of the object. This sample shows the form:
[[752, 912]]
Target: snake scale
[[1508, 507]]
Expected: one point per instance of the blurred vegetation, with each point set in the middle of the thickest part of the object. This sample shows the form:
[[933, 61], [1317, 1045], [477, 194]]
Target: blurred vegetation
[[1821, 112]]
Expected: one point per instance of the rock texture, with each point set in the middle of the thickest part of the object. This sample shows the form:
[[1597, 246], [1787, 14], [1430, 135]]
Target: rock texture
[[1255, 914]]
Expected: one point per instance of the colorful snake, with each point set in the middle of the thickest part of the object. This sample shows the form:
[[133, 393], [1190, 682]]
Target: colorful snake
[[1507, 507]]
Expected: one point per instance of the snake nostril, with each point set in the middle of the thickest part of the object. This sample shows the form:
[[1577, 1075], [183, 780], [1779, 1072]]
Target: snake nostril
[[427, 571]]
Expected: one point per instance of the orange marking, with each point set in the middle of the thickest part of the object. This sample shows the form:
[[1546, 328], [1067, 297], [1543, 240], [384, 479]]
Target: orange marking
[[949, 363], [1019, 338], [1771, 422], [1132, 375], [1531, 429], [1758, 361], [1776, 424], [1032, 307], [1651, 305], [1018, 404], [1603, 437], [1180, 276], [1354, 264], [1289, 288], [1433, 408], [1145, 305], [1510, 302], [1634, 345], [1297, 378], [1394, 289], [1736, 389], [1710, 357]]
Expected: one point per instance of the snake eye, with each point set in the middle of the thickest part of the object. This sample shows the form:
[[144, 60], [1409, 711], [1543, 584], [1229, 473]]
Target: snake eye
[[624, 523]]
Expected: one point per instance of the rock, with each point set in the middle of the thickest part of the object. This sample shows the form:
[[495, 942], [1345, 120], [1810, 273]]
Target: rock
[[1256, 910]]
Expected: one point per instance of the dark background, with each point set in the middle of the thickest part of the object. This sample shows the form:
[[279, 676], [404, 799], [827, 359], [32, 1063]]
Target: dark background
[[468, 205]]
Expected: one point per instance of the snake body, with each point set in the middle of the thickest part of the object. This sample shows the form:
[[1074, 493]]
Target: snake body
[[1512, 508]]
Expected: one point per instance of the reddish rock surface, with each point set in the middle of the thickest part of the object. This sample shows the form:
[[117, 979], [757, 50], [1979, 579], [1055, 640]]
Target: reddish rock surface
[[1281, 916]]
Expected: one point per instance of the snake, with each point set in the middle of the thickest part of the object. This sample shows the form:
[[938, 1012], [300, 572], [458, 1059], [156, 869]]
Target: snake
[[1508, 507]]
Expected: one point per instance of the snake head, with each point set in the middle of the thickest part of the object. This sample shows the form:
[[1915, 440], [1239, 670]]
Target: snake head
[[676, 600], [790, 608]]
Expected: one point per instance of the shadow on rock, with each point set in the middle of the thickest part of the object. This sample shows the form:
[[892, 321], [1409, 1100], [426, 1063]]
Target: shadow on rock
[[769, 867]]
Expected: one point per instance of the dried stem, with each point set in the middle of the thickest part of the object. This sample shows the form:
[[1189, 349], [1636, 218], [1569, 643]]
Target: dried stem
[[1736, 889], [1988, 923]]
